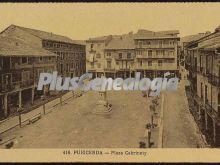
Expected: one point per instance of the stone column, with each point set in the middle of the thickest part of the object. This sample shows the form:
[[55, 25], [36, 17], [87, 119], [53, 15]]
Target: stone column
[[19, 99], [6, 104], [206, 121], [214, 132], [32, 95]]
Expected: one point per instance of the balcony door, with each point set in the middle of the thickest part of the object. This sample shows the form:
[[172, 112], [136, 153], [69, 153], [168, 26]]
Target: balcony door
[[206, 94], [6, 62], [6, 81]]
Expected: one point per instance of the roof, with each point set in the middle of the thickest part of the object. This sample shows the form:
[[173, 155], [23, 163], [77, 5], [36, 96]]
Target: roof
[[16, 47], [191, 38], [102, 38], [47, 35], [121, 42], [212, 47], [145, 34]]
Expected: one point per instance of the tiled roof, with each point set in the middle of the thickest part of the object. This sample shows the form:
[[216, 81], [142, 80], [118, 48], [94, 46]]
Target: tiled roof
[[212, 47], [48, 35], [121, 42], [16, 47], [191, 38], [145, 34], [102, 38]]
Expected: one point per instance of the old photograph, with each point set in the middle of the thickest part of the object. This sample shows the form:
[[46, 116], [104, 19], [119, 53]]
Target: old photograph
[[114, 75]]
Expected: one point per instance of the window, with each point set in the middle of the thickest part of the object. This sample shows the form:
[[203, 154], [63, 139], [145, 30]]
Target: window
[[109, 64], [160, 44], [39, 71], [159, 52], [91, 46], [98, 65], [139, 52], [98, 55], [149, 63], [117, 63], [129, 55], [24, 60], [150, 53], [160, 62], [108, 54], [120, 55], [25, 75], [41, 59], [140, 44], [141, 63]]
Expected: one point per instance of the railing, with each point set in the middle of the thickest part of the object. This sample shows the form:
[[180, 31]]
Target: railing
[[214, 80], [212, 113], [92, 51], [198, 99], [200, 69], [156, 46], [131, 59], [16, 85], [109, 69], [155, 56]]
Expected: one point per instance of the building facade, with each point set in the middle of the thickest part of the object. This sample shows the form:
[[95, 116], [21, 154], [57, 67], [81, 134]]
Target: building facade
[[203, 59], [20, 67], [71, 54], [151, 53], [24, 54]]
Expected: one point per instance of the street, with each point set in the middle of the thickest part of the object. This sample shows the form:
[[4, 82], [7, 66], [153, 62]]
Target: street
[[180, 130]]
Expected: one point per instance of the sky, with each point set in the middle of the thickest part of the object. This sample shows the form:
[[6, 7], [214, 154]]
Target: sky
[[81, 21]]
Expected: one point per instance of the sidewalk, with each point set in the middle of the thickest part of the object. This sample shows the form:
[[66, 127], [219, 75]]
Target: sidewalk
[[180, 129], [14, 121]]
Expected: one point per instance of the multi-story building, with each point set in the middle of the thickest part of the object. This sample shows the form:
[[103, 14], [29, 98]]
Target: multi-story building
[[156, 52], [71, 54], [151, 53], [203, 56], [24, 54], [20, 67], [95, 55], [120, 56]]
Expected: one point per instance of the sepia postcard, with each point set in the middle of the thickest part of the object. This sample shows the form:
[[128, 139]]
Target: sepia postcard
[[109, 82]]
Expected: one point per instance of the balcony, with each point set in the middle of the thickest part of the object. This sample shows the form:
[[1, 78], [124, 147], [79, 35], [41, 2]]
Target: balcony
[[156, 46], [92, 51], [198, 99], [109, 69], [200, 69], [17, 85], [214, 80], [212, 113], [155, 56]]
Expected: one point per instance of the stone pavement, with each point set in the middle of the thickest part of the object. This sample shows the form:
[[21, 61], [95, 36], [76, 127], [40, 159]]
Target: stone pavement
[[74, 125]]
